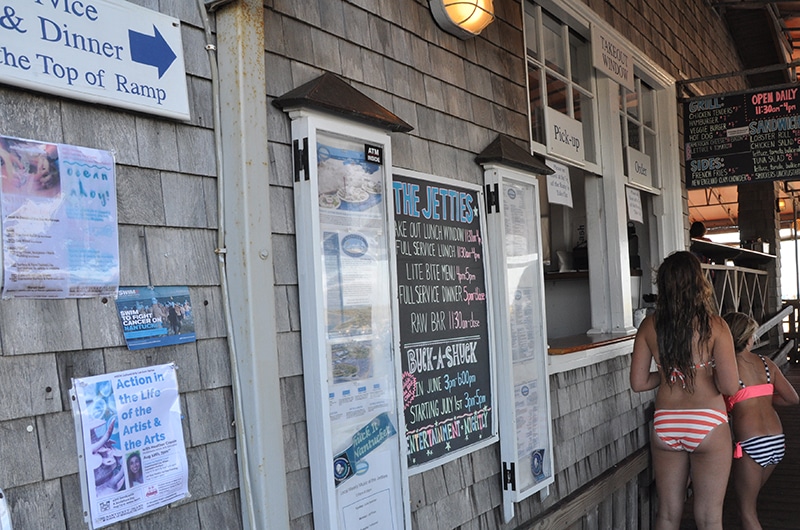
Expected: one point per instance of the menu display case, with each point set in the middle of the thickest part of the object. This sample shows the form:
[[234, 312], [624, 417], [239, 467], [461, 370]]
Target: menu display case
[[526, 439], [349, 325]]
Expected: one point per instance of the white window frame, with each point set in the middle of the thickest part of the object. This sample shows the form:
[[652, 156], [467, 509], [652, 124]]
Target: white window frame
[[605, 191], [571, 86], [626, 119]]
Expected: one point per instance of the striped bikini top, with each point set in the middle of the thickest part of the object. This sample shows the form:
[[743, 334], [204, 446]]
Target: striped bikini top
[[749, 392], [675, 374]]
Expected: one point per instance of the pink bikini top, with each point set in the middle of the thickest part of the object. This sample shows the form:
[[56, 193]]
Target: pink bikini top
[[749, 392]]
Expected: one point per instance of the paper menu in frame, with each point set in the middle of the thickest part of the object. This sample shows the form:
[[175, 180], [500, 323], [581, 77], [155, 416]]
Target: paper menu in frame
[[533, 444], [523, 273], [522, 255], [368, 503], [517, 270], [131, 447], [355, 284], [354, 256], [59, 211]]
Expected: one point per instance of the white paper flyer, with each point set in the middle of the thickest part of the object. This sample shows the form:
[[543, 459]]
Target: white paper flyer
[[130, 437]]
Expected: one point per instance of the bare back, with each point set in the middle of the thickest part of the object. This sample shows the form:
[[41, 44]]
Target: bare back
[[715, 369], [757, 416]]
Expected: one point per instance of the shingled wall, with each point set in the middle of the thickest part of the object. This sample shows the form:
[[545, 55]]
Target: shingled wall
[[167, 212], [458, 96]]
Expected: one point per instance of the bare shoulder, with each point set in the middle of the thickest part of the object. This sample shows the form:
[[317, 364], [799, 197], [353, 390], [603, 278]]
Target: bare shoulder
[[772, 366], [648, 325], [647, 330], [766, 358], [719, 326], [645, 341], [717, 321]]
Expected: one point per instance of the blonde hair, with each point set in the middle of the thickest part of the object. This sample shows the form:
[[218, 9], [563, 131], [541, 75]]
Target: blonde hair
[[743, 327]]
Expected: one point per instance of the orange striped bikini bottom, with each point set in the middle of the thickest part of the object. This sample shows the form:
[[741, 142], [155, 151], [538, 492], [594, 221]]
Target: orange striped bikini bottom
[[684, 430]]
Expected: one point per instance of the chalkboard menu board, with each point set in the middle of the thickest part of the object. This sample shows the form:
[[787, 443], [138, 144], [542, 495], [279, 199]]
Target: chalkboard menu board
[[444, 337], [741, 138]]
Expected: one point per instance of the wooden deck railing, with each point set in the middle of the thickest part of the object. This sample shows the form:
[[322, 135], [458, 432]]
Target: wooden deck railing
[[746, 290], [790, 329], [739, 289]]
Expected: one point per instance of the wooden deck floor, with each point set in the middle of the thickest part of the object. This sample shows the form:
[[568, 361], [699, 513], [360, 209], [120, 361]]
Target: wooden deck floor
[[779, 501]]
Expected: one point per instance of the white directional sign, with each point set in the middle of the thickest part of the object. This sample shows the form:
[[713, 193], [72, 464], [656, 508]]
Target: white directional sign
[[105, 51]]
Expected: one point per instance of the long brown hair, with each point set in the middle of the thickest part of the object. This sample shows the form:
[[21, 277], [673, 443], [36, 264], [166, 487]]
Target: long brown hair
[[683, 308]]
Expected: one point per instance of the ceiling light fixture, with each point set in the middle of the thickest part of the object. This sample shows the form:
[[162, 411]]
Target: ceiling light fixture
[[462, 18]]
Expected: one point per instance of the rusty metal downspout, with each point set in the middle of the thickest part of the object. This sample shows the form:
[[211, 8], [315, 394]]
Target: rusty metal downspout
[[241, 438]]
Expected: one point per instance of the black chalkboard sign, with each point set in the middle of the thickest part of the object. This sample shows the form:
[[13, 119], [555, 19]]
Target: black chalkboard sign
[[444, 337], [740, 138]]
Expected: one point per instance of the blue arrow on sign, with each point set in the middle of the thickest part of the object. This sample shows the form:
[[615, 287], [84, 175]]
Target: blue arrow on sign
[[151, 50]]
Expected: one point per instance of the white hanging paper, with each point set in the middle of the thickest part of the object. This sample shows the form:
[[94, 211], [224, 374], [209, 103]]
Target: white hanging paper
[[634, 205], [559, 190]]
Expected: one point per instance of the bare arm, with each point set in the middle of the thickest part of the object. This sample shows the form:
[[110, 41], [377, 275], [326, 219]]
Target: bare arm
[[641, 378], [726, 372], [785, 394]]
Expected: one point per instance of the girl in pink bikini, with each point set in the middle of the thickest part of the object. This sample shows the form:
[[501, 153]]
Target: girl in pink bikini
[[757, 429], [692, 349]]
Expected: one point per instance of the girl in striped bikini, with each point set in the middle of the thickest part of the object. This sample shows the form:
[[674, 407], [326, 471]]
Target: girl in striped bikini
[[692, 349], [756, 426]]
